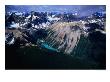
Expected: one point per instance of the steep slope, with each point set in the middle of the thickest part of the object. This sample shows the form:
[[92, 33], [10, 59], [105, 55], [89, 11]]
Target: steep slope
[[64, 36]]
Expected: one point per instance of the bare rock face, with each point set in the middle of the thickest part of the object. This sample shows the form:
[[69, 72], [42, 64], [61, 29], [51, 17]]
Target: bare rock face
[[64, 36]]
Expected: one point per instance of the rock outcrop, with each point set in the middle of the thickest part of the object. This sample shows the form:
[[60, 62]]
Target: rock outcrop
[[64, 36]]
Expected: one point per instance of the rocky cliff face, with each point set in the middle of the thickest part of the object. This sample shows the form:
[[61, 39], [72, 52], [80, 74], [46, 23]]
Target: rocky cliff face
[[64, 36]]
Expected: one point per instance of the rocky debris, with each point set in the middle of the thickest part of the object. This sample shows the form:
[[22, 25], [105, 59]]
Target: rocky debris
[[64, 36]]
